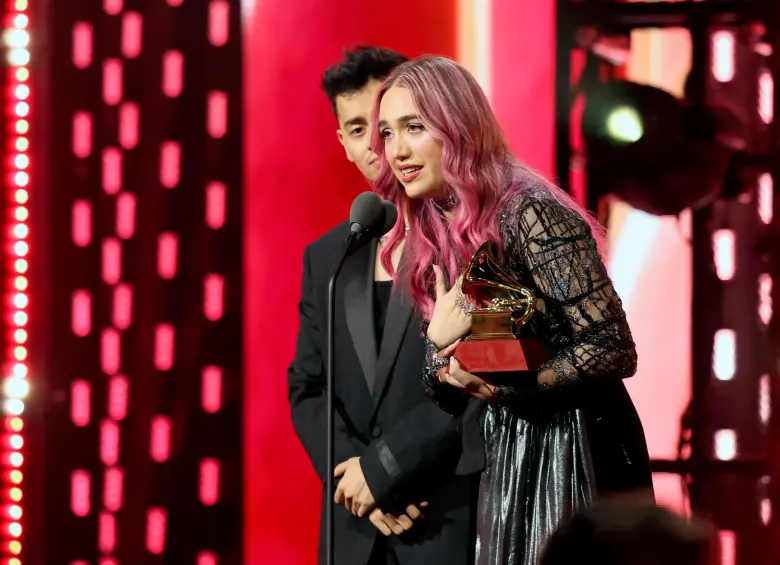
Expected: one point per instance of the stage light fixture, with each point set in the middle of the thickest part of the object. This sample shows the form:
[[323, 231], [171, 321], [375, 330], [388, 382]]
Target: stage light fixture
[[654, 150]]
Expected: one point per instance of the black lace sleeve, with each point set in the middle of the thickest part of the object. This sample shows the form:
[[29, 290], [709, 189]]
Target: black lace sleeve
[[557, 247], [449, 399]]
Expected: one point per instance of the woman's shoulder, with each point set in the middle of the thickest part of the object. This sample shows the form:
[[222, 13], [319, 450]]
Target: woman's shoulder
[[533, 205]]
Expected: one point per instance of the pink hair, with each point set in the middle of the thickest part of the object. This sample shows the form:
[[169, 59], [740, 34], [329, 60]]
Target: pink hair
[[478, 169]]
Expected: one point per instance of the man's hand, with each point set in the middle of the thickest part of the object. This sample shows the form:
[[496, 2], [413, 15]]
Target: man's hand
[[390, 524], [353, 491]]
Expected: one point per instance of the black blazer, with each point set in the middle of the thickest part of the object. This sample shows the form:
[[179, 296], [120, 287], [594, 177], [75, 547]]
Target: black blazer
[[408, 447]]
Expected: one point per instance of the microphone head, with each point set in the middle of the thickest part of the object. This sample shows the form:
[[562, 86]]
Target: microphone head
[[391, 217], [367, 212]]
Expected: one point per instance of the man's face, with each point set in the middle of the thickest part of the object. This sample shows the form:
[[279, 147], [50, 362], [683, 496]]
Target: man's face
[[354, 113]]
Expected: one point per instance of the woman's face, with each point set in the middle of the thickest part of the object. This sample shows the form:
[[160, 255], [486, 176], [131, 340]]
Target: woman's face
[[411, 152]]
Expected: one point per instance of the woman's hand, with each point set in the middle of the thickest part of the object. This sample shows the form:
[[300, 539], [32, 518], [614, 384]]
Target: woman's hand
[[449, 321], [457, 377]]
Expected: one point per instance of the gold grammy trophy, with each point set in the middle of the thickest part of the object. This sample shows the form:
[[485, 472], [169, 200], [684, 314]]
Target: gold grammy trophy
[[502, 307]]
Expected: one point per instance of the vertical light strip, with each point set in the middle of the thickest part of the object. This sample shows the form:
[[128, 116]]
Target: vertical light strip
[[475, 39], [16, 233]]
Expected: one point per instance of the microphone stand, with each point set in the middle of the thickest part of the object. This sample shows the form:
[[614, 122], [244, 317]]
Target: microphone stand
[[330, 490]]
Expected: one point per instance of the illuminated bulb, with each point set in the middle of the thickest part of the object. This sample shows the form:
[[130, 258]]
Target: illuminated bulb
[[22, 109], [20, 370], [21, 231], [20, 300], [20, 336], [21, 248], [16, 477], [17, 39], [20, 353], [14, 406], [16, 424], [20, 283], [15, 547], [16, 459], [22, 161], [16, 387], [22, 74], [22, 91], [21, 196], [21, 21], [19, 57], [21, 5], [22, 127], [625, 125], [15, 511], [20, 318], [22, 144], [20, 265], [21, 213], [15, 529], [21, 178], [16, 441], [15, 493], [14, 561]]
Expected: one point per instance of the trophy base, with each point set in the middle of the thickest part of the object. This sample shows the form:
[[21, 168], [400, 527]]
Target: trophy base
[[499, 355]]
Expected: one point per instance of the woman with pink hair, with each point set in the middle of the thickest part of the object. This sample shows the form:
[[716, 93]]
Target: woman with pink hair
[[547, 446]]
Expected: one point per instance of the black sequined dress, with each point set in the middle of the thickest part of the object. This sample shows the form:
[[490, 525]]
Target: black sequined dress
[[548, 451]]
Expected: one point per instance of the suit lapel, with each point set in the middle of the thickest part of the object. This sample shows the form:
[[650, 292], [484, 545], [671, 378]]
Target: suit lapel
[[399, 312], [359, 304]]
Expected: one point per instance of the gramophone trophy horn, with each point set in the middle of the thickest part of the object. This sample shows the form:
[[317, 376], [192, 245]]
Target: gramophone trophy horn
[[503, 307]]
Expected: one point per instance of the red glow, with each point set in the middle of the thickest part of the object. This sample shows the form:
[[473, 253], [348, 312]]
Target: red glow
[[82, 134], [213, 296], [167, 255], [209, 481], [80, 402], [117, 397], [215, 204], [112, 489], [129, 116], [109, 442], [132, 33], [125, 215], [110, 351], [112, 81], [164, 339], [206, 558], [173, 73], [81, 223], [217, 114], [112, 170], [113, 7], [82, 45], [112, 260], [211, 389], [219, 22], [122, 308], [81, 313], [170, 164], [80, 493], [106, 532], [160, 439], [155, 530]]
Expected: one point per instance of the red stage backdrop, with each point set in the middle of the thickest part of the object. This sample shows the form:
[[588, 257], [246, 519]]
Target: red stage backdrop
[[299, 185]]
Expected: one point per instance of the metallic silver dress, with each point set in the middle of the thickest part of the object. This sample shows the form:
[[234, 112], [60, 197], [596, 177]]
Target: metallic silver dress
[[538, 460]]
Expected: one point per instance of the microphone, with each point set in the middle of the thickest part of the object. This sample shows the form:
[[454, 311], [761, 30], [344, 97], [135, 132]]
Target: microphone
[[367, 213], [391, 217]]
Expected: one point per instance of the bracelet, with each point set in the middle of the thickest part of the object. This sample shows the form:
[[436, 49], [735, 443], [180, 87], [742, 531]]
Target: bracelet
[[439, 363]]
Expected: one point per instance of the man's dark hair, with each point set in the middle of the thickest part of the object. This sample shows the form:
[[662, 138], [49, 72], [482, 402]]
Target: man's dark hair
[[356, 69], [631, 534]]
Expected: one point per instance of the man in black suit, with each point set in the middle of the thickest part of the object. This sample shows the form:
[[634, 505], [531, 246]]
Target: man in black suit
[[396, 451]]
